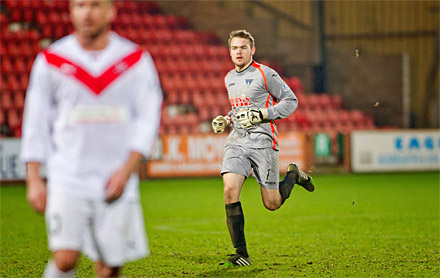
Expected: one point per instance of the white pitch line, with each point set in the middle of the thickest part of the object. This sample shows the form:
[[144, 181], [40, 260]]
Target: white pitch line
[[315, 235]]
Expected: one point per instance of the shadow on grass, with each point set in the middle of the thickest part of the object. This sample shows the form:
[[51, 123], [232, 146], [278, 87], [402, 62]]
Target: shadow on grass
[[237, 271]]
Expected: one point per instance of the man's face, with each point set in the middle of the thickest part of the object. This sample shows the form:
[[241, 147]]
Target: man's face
[[91, 17], [241, 52]]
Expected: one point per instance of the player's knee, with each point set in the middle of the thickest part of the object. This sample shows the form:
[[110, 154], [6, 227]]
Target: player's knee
[[65, 260], [271, 205], [229, 194]]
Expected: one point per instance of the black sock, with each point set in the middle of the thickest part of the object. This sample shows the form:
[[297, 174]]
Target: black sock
[[235, 221], [286, 185]]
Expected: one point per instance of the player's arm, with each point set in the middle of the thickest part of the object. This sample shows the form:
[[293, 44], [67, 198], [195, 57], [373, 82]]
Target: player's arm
[[35, 142], [36, 192], [116, 184], [146, 105], [287, 101]]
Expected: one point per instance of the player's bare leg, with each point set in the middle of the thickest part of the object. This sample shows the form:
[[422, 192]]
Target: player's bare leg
[[233, 184], [103, 270], [62, 264], [272, 199]]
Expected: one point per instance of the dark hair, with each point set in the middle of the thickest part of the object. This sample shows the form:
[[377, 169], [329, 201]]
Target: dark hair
[[241, 34]]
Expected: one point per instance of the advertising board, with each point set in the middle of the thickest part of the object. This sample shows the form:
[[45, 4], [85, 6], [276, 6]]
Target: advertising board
[[11, 168], [400, 150], [201, 155]]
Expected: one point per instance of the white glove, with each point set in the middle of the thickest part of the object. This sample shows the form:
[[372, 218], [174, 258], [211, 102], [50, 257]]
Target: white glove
[[250, 117], [220, 123]]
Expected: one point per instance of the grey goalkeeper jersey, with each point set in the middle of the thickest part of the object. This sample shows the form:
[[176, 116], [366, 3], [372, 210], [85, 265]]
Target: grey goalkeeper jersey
[[258, 86]]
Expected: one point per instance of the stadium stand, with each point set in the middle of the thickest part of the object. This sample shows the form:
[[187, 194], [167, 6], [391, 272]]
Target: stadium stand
[[191, 67]]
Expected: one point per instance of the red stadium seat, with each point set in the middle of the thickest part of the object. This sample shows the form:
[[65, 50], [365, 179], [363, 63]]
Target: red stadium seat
[[13, 49], [6, 66], [332, 117], [189, 83], [172, 22], [184, 97], [192, 66], [166, 36], [3, 51], [42, 18], [20, 66], [172, 97], [14, 118], [336, 101], [204, 113], [6, 100], [13, 83], [184, 37], [199, 51], [313, 101], [2, 117], [324, 102], [19, 100], [136, 21], [295, 84], [301, 118], [171, 130], [356, 118], [46, 31], [174, 51], [159, 21], [54, 18], [24, 82], [27, 50], [15, 15], [148, 21], [202, 82]]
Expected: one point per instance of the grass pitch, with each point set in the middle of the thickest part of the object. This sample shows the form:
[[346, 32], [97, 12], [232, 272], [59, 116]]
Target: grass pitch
[[357, 225]]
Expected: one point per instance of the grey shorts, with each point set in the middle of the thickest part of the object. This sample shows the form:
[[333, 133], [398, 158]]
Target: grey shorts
[[241, 160]]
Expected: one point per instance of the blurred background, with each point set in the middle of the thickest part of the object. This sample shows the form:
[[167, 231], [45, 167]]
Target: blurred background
[[354, 65]]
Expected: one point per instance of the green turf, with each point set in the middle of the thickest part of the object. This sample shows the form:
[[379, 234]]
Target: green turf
[[382, 225]]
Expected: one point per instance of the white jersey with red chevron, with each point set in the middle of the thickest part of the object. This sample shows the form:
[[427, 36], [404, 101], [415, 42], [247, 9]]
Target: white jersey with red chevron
[[258, 86], [86, 111]]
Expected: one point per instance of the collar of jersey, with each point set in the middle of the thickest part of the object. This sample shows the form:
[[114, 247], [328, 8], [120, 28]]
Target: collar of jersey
[[245, 68]]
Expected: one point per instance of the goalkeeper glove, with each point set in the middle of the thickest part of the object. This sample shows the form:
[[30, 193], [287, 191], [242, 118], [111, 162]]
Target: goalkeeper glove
[[220, 123], [251, 117]]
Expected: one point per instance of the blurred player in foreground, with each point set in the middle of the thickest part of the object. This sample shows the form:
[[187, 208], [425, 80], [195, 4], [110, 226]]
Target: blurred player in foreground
[[258, 97], [92, 111]]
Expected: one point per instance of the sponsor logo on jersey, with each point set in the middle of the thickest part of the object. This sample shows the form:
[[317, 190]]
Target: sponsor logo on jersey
[[249, 82], [239, 101], [285, 87], [120, 67], [67, 68]]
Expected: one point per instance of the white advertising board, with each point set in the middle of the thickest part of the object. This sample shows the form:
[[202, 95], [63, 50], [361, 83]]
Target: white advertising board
[[397, 150], [11, 168]]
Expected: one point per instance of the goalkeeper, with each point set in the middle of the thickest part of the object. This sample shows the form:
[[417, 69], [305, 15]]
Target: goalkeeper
[[258, 97]]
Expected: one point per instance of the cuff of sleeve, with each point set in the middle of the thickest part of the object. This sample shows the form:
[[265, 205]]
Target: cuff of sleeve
[[270, 113]]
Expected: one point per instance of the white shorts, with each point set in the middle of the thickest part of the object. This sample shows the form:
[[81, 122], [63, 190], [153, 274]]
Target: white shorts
[[112, 233]]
